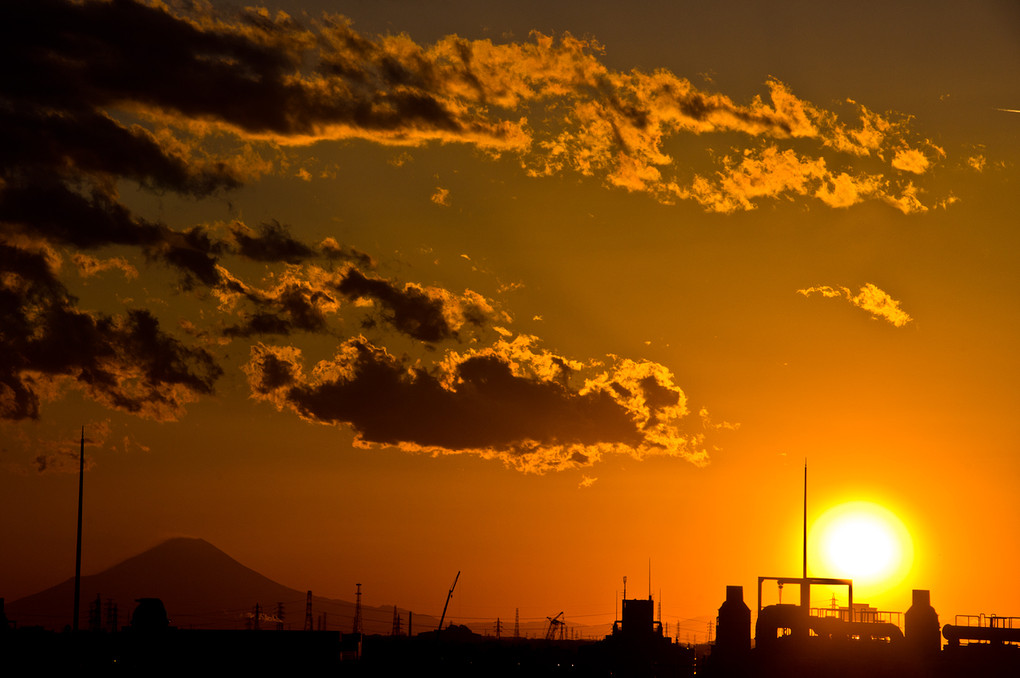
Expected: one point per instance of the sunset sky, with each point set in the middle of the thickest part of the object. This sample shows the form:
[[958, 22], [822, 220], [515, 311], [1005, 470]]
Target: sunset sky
[[380, 291]]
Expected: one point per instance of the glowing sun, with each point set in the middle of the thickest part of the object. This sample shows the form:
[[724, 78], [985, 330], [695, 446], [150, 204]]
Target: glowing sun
[[864, 542]]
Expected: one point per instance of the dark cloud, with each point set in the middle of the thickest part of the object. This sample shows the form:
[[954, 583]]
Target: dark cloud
[[489, 407], [658, 396], [126, 362], [270, 242], [505, 402], [333, 251], [72, 141], [107, 53], [240, 73], [293, 307], [409, 310]]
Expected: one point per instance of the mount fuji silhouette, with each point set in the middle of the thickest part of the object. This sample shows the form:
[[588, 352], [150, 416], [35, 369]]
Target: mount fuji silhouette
[[201, 587]]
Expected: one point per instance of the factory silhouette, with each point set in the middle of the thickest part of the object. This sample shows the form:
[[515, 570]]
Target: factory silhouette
[[788, 640]]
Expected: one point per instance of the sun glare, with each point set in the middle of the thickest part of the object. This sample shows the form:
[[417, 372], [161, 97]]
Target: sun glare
[[864, 542]]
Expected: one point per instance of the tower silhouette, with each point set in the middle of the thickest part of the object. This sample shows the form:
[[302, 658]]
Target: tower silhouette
[[357, 611]]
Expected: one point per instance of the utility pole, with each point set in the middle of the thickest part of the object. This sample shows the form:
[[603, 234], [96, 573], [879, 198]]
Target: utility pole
[[77, 555]]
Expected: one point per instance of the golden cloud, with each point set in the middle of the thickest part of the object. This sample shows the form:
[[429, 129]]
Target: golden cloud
[[870, 298]]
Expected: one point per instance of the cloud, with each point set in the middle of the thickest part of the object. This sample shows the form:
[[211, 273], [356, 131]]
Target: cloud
[[441, 197], [300, 300], [270, 242], [428, 314], [870, 298], [254, 79], [772, 173], [125, 362], [911, 160], [89, 266], [510, 401]]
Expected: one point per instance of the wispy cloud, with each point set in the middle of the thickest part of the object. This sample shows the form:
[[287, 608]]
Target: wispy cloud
[[870, 298]]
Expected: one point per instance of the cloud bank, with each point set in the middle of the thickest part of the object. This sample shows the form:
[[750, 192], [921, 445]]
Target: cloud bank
[[195, 102]]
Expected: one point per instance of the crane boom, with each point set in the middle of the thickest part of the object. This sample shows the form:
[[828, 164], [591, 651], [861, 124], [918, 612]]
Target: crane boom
[[448, 596]]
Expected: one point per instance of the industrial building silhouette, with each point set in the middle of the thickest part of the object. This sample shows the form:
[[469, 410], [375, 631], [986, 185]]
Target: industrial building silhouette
[[789, 641], [797, 640]]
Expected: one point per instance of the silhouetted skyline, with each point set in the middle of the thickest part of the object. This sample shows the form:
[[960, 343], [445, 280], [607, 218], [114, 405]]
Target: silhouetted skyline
[[538, 292]]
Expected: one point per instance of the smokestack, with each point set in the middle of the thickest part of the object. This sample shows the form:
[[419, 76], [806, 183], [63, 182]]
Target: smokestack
[[77, 555]]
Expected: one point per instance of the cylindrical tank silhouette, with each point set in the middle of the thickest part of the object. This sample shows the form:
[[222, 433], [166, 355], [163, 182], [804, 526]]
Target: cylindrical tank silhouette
[[921, 625], [150, 615], [733, 636]]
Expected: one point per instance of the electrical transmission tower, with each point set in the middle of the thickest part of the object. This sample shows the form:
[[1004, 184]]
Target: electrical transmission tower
[[396, 622], [96, 614], [279, 616], [517, 623], [111, 614], [499, 627], [357, 612], [308, 611]]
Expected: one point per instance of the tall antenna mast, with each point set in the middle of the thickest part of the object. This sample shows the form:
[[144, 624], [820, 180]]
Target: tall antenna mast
[[805, 518], [77, 554]]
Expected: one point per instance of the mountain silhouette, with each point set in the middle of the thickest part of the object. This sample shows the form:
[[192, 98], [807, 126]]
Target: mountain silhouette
[[202, 587]]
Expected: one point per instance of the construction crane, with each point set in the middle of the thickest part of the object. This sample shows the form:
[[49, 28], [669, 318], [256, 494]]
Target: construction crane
[[448, 596], [555, 627]]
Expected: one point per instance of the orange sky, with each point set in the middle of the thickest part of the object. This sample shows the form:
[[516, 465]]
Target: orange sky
[[535, 293]]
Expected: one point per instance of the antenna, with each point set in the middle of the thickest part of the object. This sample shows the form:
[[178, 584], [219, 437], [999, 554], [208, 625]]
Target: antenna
[[805, 518], [805, 587], [625, 587], [77, 554], [357, 611]]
